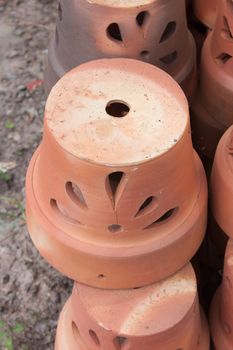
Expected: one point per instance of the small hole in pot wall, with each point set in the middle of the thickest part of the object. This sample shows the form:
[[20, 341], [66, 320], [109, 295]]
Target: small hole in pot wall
[[117, 109], [94, 337], [141, 18], [115, 228], [149, 204], [223, 58], [75, 194], [59, 11], [168, 32], [168, 59], [168, 215], [145, 54], [101, 276], [119, 342], [114, 32]]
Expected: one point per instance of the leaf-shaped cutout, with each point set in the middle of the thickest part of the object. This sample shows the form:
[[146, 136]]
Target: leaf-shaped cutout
[[114, 181], [168, 59], [119, 342], [147, 206], [142, 18], [60, 211], [223, 58], [114, 32], [94, 337], [170, 213], [169, 31], [226, 30], [75, 194], [76, 332]]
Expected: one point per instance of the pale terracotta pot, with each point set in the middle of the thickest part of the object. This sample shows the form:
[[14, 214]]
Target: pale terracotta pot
[[162, 316], [222, 183], [116, 187], [212, 107], [206, 11], [221, 315], [154, 31]]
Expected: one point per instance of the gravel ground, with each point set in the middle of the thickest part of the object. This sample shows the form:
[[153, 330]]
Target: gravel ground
[[32, 293]]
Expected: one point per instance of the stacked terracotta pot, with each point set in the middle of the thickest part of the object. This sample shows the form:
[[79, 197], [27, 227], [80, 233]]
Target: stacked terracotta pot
[[222, 204], [154, 31], [213, 105], [117, 201]]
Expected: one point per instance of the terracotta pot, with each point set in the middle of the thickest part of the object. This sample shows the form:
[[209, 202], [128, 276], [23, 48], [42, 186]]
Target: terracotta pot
[[212, 107], [154, 31], [162, 316], [222, 183], [206, 11], [221, 316], [116, 187]]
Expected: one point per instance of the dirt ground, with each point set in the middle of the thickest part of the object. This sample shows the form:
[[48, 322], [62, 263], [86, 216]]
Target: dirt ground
[[32, 293]]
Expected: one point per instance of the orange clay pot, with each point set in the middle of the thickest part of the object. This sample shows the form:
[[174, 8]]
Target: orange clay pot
[[154, 31], [206, 11], [213, 105], [162, 316], [222, 183], [115, 187], [221, 316]]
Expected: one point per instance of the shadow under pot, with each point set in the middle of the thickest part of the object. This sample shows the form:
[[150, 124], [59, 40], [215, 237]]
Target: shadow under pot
[[221, 315], [162, 316], [211, 108], [116, 196], [153, 31]]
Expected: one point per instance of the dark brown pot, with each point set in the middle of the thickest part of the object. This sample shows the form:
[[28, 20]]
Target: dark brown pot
[[154, 31], [115, 187], [162, 316], [212, 107]]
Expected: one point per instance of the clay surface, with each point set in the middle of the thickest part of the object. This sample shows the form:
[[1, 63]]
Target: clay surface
[[222, 183], [110, 203], [164, 316], [221, 316], [206, 11]]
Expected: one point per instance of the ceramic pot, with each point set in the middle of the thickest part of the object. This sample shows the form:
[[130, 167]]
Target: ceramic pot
[[222, 183], [221, 316], [154, 31], [116, 187], [162, 316], [206, 11], [213, 104]]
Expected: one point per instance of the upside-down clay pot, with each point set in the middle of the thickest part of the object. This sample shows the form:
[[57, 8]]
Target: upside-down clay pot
[[212, 107], [222, 183], [221, 315], [115, 187], [206, 11], [162, 316], [154, 31]]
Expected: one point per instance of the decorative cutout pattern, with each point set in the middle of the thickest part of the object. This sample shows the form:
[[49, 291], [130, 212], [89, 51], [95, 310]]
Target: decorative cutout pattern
[[59, 11], [114, 182], [119, 342], [60, 211], [226, 30], [114, 32], [169, 59], [75, 194], [168, 215], [149, 204], [169, 31], [142, 18], [223, 58], [94, 337]]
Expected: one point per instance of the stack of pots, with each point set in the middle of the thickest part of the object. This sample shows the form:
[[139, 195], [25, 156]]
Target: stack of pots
[[222, 204], [117, 201], [154, 31], [212, 107]]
